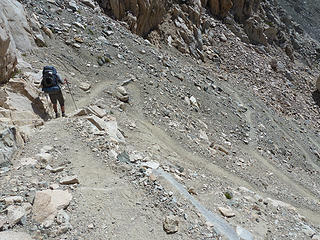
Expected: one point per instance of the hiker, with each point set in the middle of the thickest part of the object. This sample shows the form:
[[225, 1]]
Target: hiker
[[51, 84]]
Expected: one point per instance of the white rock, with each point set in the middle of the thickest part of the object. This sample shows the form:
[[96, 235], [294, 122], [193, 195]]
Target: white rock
[[28, 162], [151, 164], [79, 25], [193, 101]]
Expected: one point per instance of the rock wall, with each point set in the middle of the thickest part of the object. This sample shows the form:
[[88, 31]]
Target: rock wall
[[141, 15], [8, 58]]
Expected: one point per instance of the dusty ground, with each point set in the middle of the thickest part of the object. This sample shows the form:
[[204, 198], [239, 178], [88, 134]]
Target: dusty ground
[[231, 141]]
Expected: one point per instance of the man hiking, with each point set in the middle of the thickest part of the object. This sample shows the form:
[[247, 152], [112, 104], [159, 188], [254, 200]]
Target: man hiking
[[51, 84]]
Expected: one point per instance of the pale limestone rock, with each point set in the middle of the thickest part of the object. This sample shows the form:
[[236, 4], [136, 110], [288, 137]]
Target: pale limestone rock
[[227, 212], [11, 235], [15, 214], [48, 202], [97, 111]]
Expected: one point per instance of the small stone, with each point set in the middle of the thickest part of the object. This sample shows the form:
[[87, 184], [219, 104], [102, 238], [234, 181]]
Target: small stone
[[193, 101], [47, 31], [44, 157], [69, 180], [85, 86], [170, 224], [191, 190], [56, 170], [122, 90], [62, 217], [226, 212], [91, 226], [223, 37], [152, 177], [54, 186], [76, 45], [12, 199]]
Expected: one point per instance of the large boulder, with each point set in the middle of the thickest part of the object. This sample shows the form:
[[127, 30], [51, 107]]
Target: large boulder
[[19, 29], [8, 57]]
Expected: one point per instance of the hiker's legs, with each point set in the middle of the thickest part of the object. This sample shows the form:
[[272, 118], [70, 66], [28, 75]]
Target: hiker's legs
[[61, 102], [53, 98]]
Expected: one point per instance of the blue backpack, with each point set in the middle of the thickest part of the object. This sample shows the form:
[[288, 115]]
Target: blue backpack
[[50, 79]]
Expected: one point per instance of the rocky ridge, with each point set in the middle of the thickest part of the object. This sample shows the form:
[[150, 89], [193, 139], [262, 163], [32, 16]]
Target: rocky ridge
[[144, 109]]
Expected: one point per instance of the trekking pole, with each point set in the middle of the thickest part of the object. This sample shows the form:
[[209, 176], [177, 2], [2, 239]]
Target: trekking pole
[[71, 94]]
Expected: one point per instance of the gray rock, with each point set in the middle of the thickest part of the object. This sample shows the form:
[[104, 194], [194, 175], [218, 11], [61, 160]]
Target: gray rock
[[8, 145], [89, 3], [15, 214], [73, 5]]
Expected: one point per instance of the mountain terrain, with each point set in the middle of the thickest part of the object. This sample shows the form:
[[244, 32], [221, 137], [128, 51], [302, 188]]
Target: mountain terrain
[[185, 120]]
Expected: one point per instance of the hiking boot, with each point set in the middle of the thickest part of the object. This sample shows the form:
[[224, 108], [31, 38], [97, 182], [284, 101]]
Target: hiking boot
[[57, 115], [63, 114]]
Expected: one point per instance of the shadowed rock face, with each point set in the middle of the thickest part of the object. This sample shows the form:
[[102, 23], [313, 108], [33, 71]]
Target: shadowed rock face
[[141, 15]]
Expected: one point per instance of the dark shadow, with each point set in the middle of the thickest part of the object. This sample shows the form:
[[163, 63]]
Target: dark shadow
[[38, 109], [316, 97]]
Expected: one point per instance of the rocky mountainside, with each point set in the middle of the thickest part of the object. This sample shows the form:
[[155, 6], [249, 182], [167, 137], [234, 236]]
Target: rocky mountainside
[[306, 13], [206, 128]]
